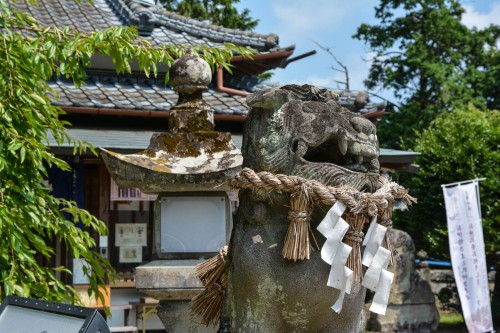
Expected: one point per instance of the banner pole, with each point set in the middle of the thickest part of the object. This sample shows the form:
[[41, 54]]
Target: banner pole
[[463, 182]]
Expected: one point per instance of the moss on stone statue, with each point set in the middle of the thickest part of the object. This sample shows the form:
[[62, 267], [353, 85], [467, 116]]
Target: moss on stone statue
[[189, 144], [199, 122]]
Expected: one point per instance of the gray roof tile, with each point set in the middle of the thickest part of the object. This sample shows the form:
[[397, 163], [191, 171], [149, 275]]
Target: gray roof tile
[[129, 92], [169, 28], [136, 96], [146, 95]]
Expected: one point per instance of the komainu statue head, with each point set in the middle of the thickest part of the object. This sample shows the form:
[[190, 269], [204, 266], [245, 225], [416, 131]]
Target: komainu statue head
[[298, 131], [304, 131]]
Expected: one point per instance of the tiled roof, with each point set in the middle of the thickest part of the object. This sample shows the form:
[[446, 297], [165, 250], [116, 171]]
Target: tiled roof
[[140, 93], [136, 94], [160, 27], [156, 24], [84, 17]]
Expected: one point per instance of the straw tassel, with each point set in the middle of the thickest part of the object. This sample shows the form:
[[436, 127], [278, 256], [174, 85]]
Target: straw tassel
[[208, 305], [212, 274], [297, 245], [353, 238]]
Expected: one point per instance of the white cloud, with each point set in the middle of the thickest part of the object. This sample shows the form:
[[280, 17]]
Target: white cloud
[[321, 81], [304, 19], [473, 18], [308, 17]]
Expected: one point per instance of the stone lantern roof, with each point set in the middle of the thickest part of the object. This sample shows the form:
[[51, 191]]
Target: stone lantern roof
[[192, 156]]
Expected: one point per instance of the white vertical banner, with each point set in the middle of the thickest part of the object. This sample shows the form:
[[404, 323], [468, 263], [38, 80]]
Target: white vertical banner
[[465, 232]]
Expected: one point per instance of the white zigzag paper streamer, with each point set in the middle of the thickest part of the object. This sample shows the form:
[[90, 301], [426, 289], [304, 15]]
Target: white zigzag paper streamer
[[376, 258], [341, 277], [373, 240], [335, 253]]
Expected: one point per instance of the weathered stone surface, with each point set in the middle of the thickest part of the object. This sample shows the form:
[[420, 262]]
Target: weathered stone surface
[[149, 181], [412, 304], [177, 162], [183, 119], [192, 156], [270, 294], [303, 131], [190, 73], [169, 279], [168, 274], [174, 283], [177, 319]]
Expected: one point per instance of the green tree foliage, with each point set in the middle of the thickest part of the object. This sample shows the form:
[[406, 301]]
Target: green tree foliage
[[218, 12], [432, 61], [30, 217], [459, 145]]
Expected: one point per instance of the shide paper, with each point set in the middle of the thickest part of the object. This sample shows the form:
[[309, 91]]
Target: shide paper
[[379, 263], [377, 278], [347, 277], [335, 253], [381, 298], [375, 257], [373, 240], [341, 276]]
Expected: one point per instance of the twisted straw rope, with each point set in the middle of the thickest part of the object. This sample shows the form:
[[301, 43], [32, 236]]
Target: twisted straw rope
[[208, 304], [357, 202]]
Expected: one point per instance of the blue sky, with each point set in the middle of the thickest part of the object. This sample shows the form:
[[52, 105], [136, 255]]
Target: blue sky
[[331, 23]]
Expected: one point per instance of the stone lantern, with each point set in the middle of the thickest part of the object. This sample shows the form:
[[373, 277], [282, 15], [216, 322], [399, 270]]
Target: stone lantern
[[189, 168]]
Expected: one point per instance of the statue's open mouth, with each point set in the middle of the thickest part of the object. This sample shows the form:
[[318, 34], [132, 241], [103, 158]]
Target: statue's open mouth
[[304, 131], [339, 159], [331, 152]]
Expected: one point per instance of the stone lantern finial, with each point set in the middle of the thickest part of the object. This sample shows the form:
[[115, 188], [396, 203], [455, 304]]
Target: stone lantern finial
[[190, 76]]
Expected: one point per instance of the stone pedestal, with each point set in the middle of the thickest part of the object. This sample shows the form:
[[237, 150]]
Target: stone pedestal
[[176, 318], [174, 283], [412, 304]]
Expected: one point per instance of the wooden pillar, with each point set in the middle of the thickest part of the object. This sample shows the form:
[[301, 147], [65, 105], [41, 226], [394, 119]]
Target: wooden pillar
[[104, 193]]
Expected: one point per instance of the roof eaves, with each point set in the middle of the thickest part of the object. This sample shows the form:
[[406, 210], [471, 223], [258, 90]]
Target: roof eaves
[[173, 21]]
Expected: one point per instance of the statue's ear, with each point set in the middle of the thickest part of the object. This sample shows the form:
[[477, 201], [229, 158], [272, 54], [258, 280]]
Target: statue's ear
[[255, 99], [271, 99]]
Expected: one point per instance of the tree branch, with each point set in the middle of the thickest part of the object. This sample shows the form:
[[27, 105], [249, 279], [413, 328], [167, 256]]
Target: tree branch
[[344, 68]]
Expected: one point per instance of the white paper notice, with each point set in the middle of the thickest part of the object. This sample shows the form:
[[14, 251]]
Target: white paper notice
[[381, 298], [78, 276], [131, 234], [130, 254]]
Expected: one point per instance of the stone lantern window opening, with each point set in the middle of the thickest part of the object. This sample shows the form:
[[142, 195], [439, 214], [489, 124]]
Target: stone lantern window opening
[[191, 225]]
